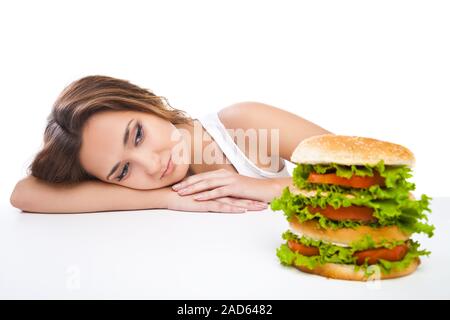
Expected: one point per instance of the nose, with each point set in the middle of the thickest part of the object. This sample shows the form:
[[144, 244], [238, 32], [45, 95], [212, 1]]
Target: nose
[[150, 162]]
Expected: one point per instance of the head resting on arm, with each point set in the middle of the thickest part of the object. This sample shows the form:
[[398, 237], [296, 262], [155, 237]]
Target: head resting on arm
[[85, 131]]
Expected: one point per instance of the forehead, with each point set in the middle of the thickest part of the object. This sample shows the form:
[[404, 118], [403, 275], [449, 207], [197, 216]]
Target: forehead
[[102, 137], [104, 119]]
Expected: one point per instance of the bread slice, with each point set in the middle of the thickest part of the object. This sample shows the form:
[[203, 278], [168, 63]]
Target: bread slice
[[345, 236], [350, 150], [347, 271]]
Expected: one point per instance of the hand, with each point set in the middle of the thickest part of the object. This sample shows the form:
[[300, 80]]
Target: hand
[[222, 204], [223, 183]]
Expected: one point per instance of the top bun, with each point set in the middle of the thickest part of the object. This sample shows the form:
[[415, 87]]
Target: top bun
[[350, 150]]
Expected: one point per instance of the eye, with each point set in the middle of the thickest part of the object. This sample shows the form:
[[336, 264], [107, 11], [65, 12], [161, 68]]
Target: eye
[[137, 140], [139, 134], [124, 172]]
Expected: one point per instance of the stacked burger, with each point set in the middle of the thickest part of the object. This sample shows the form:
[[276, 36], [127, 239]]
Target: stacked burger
[[351, 211]]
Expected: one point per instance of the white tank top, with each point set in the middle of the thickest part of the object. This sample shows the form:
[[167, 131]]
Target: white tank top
[[238, 159]]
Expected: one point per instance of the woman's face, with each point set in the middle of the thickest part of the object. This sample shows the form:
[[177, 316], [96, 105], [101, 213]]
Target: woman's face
[[137, 145]]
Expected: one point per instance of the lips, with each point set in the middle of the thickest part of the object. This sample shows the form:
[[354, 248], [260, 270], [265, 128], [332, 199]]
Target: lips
[[167, 167]]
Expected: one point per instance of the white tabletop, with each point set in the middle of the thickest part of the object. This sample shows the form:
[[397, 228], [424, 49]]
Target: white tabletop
[[161, 254]]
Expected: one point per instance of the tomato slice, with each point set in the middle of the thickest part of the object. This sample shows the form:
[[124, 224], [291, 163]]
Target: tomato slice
[[354, 182], [374, 255], [302, 249], [356, 213]]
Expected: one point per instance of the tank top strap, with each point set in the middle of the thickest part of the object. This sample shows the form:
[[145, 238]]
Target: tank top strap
[[215, 128]]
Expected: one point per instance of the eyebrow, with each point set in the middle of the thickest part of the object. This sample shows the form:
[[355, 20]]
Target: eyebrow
[[125, 140]]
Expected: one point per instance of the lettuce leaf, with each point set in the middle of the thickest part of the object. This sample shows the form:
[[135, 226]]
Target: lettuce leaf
[[402, 211], [391, 204], [330, 253], [395, 177], [365, 243]]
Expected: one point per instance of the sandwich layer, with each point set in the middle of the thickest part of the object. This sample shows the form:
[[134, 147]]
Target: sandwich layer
[[360, 260], [345, 236]]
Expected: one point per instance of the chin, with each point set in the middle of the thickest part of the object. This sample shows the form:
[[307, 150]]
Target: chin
[[178, 174]]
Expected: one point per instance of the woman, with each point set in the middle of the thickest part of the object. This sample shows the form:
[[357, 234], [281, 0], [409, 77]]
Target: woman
[[110, 145]]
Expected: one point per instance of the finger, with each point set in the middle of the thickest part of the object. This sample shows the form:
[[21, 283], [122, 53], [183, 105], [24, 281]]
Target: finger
[[203, 185], [250, 204], [198, 177], [244, 203], [217, 206], [212, 194]]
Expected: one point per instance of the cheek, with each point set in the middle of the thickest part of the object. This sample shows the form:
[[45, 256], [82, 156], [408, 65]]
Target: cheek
[[158, 141], [173, 137], [94, 165], [142, 182]]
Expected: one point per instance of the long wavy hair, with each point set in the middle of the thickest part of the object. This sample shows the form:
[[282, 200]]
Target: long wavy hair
[[58, 161]]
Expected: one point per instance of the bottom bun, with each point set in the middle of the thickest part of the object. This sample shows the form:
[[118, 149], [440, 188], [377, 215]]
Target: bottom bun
[[347, 272]]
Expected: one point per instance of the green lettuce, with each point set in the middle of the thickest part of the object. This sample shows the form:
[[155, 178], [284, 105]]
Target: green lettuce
[[329, 253], [395, 177], [366, 242], [402, 211]]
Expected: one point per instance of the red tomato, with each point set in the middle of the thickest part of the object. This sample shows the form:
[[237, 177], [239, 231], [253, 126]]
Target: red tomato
[[356, 213], [302, 249], [395, 254], [353, 182]]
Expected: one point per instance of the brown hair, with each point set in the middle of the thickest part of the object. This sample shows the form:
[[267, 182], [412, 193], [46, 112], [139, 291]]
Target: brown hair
[[58, 161]]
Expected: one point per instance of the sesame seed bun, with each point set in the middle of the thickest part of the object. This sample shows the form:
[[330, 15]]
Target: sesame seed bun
[[350, 150]]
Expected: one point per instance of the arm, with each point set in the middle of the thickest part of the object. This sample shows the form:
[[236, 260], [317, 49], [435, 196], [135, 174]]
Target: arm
[[278, 184], [220, 183], [256, 115], [293, 129], [34, 195]]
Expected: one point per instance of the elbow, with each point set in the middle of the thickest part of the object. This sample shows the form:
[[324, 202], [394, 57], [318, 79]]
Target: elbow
[[17, 198], [15, 201]]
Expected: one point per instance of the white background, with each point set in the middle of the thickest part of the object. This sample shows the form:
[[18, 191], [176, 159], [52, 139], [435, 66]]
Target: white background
[[370, 68], [186, 255]]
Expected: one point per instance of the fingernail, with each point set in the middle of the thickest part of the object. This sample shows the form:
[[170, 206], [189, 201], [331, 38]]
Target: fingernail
[[176, 186]]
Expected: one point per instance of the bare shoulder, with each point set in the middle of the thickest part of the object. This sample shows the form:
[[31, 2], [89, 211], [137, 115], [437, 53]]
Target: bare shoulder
[[257, 115], [247, 114]]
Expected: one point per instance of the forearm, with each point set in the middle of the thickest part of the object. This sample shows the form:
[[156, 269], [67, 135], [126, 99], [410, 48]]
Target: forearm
[[32, 195], [273, 188], [280, 183]]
